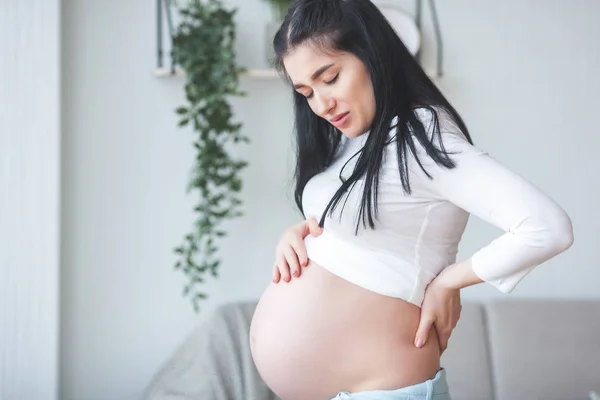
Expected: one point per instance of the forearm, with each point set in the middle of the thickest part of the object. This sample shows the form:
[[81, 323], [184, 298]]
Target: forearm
[[535, 227], [458, 275]]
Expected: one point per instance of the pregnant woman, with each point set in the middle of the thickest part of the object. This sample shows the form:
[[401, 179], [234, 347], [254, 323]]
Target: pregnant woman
[[366, 289]]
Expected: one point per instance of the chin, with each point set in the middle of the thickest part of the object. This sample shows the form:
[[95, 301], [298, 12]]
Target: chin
[[353, 133]]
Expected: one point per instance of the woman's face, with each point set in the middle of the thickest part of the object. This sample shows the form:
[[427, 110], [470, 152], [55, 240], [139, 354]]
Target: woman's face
[[337, 87]]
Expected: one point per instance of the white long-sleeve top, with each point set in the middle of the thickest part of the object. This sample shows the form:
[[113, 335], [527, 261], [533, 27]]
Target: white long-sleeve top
[[416, 236]]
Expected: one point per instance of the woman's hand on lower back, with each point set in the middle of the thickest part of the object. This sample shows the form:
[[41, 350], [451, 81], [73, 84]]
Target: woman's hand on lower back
[[441, 307], [290, 253]]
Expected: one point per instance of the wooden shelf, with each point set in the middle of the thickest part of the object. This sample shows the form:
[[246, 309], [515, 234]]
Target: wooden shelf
[[268, 73], [252, 73]]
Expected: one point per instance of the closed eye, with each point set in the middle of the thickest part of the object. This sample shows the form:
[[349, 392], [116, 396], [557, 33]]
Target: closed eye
[[330, 82]]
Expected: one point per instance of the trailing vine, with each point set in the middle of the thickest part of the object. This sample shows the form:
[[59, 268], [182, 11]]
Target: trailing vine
[[279, 8], [203, 46]]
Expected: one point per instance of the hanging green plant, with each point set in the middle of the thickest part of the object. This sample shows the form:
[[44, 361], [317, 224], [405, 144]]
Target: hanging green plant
[[279, 8], [203, 46]]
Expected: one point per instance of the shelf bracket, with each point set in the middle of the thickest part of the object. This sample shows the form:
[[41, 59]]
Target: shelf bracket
[[166, 4]]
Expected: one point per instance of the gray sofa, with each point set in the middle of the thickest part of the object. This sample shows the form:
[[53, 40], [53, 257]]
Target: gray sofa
[[502, 350]]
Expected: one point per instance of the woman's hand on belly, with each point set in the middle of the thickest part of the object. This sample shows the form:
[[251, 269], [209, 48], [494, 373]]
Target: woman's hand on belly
[[290, 253], [322, 335], [441, 307]]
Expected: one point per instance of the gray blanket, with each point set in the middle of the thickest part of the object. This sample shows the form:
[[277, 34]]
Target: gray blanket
[[214, 363]]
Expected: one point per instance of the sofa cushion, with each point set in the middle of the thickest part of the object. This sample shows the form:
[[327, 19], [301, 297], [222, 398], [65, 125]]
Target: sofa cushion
[[214, 362], [544, 349], [467, 358]]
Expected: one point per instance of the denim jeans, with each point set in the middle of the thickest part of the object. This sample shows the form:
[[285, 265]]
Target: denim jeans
[[431, 389]]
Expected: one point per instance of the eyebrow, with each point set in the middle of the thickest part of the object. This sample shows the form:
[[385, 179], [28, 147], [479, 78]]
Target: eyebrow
[[315, 75]]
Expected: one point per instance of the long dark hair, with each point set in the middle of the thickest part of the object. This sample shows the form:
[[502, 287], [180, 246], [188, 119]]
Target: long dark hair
[[399, 84]]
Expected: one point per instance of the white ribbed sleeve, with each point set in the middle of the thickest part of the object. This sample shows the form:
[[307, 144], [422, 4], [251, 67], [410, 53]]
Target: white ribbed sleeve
[[536, 227]]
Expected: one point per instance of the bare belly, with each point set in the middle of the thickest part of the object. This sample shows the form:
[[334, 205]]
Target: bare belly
[[319, 335]]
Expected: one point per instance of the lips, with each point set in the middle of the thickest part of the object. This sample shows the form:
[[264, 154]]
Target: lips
[[338, 117], [340, 120]]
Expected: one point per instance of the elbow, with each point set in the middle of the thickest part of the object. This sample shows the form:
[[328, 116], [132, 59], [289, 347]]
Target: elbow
[[561, 241], [560, 234]]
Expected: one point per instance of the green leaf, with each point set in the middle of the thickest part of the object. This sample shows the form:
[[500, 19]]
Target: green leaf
[[204, 45]]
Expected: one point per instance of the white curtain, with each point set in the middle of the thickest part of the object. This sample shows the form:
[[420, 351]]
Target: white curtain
[[29, 198]]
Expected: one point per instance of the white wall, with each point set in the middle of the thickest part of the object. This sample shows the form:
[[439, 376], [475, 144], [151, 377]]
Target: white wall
[[523, 74], [29, 198]]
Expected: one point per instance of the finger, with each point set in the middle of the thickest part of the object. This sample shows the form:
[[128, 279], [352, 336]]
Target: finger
[[313, 227], [300, 250], [276, 274], [455, 322], [443, 340], [442, 350], [292, 261], [284, 268], [423, 330]]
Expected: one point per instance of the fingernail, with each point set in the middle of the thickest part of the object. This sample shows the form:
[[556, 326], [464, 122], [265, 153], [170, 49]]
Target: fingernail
[[296, 273], [419, 343]]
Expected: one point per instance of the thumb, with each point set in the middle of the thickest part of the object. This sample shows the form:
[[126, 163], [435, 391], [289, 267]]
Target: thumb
[[423, 331], [313, 227]]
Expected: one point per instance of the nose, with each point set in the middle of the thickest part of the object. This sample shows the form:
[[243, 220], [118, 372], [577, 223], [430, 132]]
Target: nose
[[324, 104]]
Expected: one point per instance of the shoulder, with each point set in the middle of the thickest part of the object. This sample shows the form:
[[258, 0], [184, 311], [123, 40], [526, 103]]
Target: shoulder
[[439, 142], [436, 118]]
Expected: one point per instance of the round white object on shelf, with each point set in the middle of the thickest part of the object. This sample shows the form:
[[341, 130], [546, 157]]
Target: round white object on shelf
[[404, 25]]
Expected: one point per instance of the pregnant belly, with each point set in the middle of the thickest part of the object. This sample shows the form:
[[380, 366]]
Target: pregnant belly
[[319, 335]]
